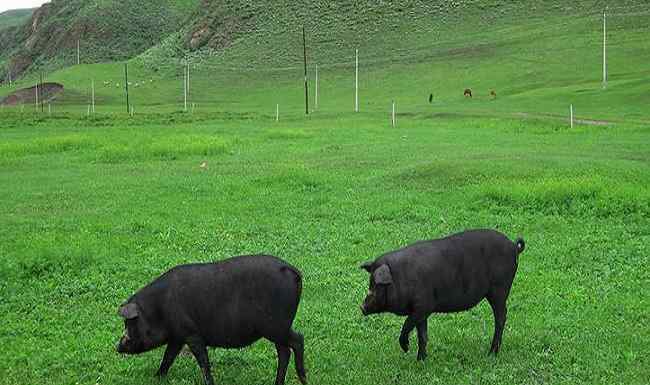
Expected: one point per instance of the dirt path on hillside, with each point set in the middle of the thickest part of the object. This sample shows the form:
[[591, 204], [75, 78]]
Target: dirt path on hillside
[[589, 122]]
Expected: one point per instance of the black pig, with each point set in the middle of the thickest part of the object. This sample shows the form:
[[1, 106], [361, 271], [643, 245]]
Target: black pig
[[228, 304], [445, 275]]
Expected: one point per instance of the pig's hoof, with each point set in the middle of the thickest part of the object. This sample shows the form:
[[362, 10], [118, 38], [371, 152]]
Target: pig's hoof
[[303, 380], [422, 356], [404, 343]]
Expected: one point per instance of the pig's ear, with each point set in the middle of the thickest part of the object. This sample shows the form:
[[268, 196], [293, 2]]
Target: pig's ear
[[382, 275], [367, 266], [129, 311]]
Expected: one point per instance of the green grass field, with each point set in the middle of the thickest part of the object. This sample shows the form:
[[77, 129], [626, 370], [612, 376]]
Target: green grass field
[[93, 209]]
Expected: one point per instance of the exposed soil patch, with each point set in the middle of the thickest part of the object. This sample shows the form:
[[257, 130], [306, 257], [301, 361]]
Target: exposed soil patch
[[46, 92]]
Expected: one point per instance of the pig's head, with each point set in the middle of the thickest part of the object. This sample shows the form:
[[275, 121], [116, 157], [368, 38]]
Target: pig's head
[[380, 279], [141, 333]]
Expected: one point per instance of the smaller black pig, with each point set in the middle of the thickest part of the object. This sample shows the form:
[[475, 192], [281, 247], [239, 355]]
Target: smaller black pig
[[445, 275], [228, 304]]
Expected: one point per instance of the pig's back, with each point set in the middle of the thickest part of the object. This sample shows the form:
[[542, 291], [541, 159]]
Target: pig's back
[[453, 273], [234, 302]]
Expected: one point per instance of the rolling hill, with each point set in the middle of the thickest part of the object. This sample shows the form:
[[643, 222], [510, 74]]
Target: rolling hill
[[107, 30], [539, 57], [14, 18]]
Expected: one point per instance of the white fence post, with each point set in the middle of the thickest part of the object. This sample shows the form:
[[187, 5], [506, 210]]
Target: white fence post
[[604, 49], [393, 116], [571, 113], [356, 82], [277, 112], [316, 92]]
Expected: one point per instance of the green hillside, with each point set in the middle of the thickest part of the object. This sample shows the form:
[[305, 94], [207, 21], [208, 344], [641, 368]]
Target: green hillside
[[247, 56], [14, 18], [107, 30]]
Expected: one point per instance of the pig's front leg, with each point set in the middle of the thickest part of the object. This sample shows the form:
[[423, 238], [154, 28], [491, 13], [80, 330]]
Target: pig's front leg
[[171, 352], [198, 348], [411, 322], [423, 338]]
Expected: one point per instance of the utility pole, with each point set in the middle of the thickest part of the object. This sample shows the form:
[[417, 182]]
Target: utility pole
[[126, 85], [605, 48], [304, 47], [356, 83]]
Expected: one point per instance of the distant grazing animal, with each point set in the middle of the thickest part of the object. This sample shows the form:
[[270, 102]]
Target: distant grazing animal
[[430, 98], [468, 93], [444, 275], [493, 94]]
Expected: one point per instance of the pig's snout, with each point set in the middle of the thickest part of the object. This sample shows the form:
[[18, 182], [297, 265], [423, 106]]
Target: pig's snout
[[120, 346]]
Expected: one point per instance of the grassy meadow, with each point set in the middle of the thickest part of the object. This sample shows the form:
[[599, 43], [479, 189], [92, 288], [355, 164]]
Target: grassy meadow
[[95, 208]]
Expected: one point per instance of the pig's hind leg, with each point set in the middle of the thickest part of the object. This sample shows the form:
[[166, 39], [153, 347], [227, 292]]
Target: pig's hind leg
[[283, 361], [297, 344], [497, 298]]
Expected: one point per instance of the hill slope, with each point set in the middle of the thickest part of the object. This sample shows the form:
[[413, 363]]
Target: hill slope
[[108, 30], [539, 57], [14, 17]]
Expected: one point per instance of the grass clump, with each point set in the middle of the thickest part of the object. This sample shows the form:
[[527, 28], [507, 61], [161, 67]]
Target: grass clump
[[583, 196]]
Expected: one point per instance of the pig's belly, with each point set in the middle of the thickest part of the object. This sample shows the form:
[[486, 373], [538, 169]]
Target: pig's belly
[[230, 336], [451, 301], [232, 342]]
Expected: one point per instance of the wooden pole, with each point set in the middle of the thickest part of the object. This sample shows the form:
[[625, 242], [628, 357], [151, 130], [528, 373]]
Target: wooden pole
[[304, 47], [393, 116], [277, 112], [571, 114], [36, 97], [126, 84], [92, 86], [78, 53]]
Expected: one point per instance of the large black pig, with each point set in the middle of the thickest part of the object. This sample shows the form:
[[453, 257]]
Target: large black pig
[[228, 304], [445, 275]]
